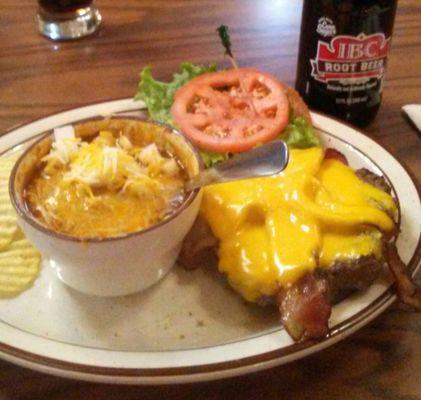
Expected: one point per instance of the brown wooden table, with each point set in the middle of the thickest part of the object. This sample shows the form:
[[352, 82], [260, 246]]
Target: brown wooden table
[[39, 77]]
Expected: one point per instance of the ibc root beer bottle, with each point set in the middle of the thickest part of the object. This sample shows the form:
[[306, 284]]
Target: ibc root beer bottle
[[342, 56]]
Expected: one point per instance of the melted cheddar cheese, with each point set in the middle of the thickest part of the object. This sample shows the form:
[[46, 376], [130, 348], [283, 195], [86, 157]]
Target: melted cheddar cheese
[[273, 230]]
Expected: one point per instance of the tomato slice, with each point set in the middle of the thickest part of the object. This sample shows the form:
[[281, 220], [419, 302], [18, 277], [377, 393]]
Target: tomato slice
[[336, 155], [216, 113]]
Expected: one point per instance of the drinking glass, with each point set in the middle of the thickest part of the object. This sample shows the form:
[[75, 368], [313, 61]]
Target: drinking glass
[[67, 19]]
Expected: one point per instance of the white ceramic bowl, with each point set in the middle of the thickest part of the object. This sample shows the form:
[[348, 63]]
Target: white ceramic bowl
[[109, 266]]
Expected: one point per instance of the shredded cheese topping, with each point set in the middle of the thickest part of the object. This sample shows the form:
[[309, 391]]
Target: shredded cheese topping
[[108, 177]]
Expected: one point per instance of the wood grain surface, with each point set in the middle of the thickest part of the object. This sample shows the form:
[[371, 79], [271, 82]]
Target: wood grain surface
[[39, 77]]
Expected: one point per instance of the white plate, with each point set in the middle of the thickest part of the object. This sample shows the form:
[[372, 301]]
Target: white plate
[[191, 326]]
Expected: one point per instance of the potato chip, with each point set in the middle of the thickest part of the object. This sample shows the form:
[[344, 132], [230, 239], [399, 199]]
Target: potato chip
[[8, 224], [19, 267], [19, 260]]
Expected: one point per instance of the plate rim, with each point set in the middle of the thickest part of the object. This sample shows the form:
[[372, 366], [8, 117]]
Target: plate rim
[[214, 370]]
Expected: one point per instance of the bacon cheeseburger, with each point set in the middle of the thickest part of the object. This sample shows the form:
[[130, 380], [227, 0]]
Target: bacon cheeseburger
[[301, 240]]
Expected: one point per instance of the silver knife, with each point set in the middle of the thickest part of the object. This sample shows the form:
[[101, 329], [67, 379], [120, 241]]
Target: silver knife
[[414, 113], [268, 159]]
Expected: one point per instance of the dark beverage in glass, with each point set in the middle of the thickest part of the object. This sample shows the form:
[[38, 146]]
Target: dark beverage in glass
[[343, 52], [67, 19], [63, 6]]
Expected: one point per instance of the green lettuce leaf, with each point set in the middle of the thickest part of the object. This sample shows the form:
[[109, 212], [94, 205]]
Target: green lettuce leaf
[[299, 134], [158, 96], [210, 159]]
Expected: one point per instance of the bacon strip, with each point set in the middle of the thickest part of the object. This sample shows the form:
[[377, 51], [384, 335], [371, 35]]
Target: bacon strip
[[305, 308], [408, 292]]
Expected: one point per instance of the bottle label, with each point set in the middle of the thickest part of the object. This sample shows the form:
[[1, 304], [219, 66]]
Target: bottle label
[[351, 60], [326, 27]]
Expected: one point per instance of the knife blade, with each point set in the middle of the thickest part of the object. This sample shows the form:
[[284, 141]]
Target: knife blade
[[414, 113]]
